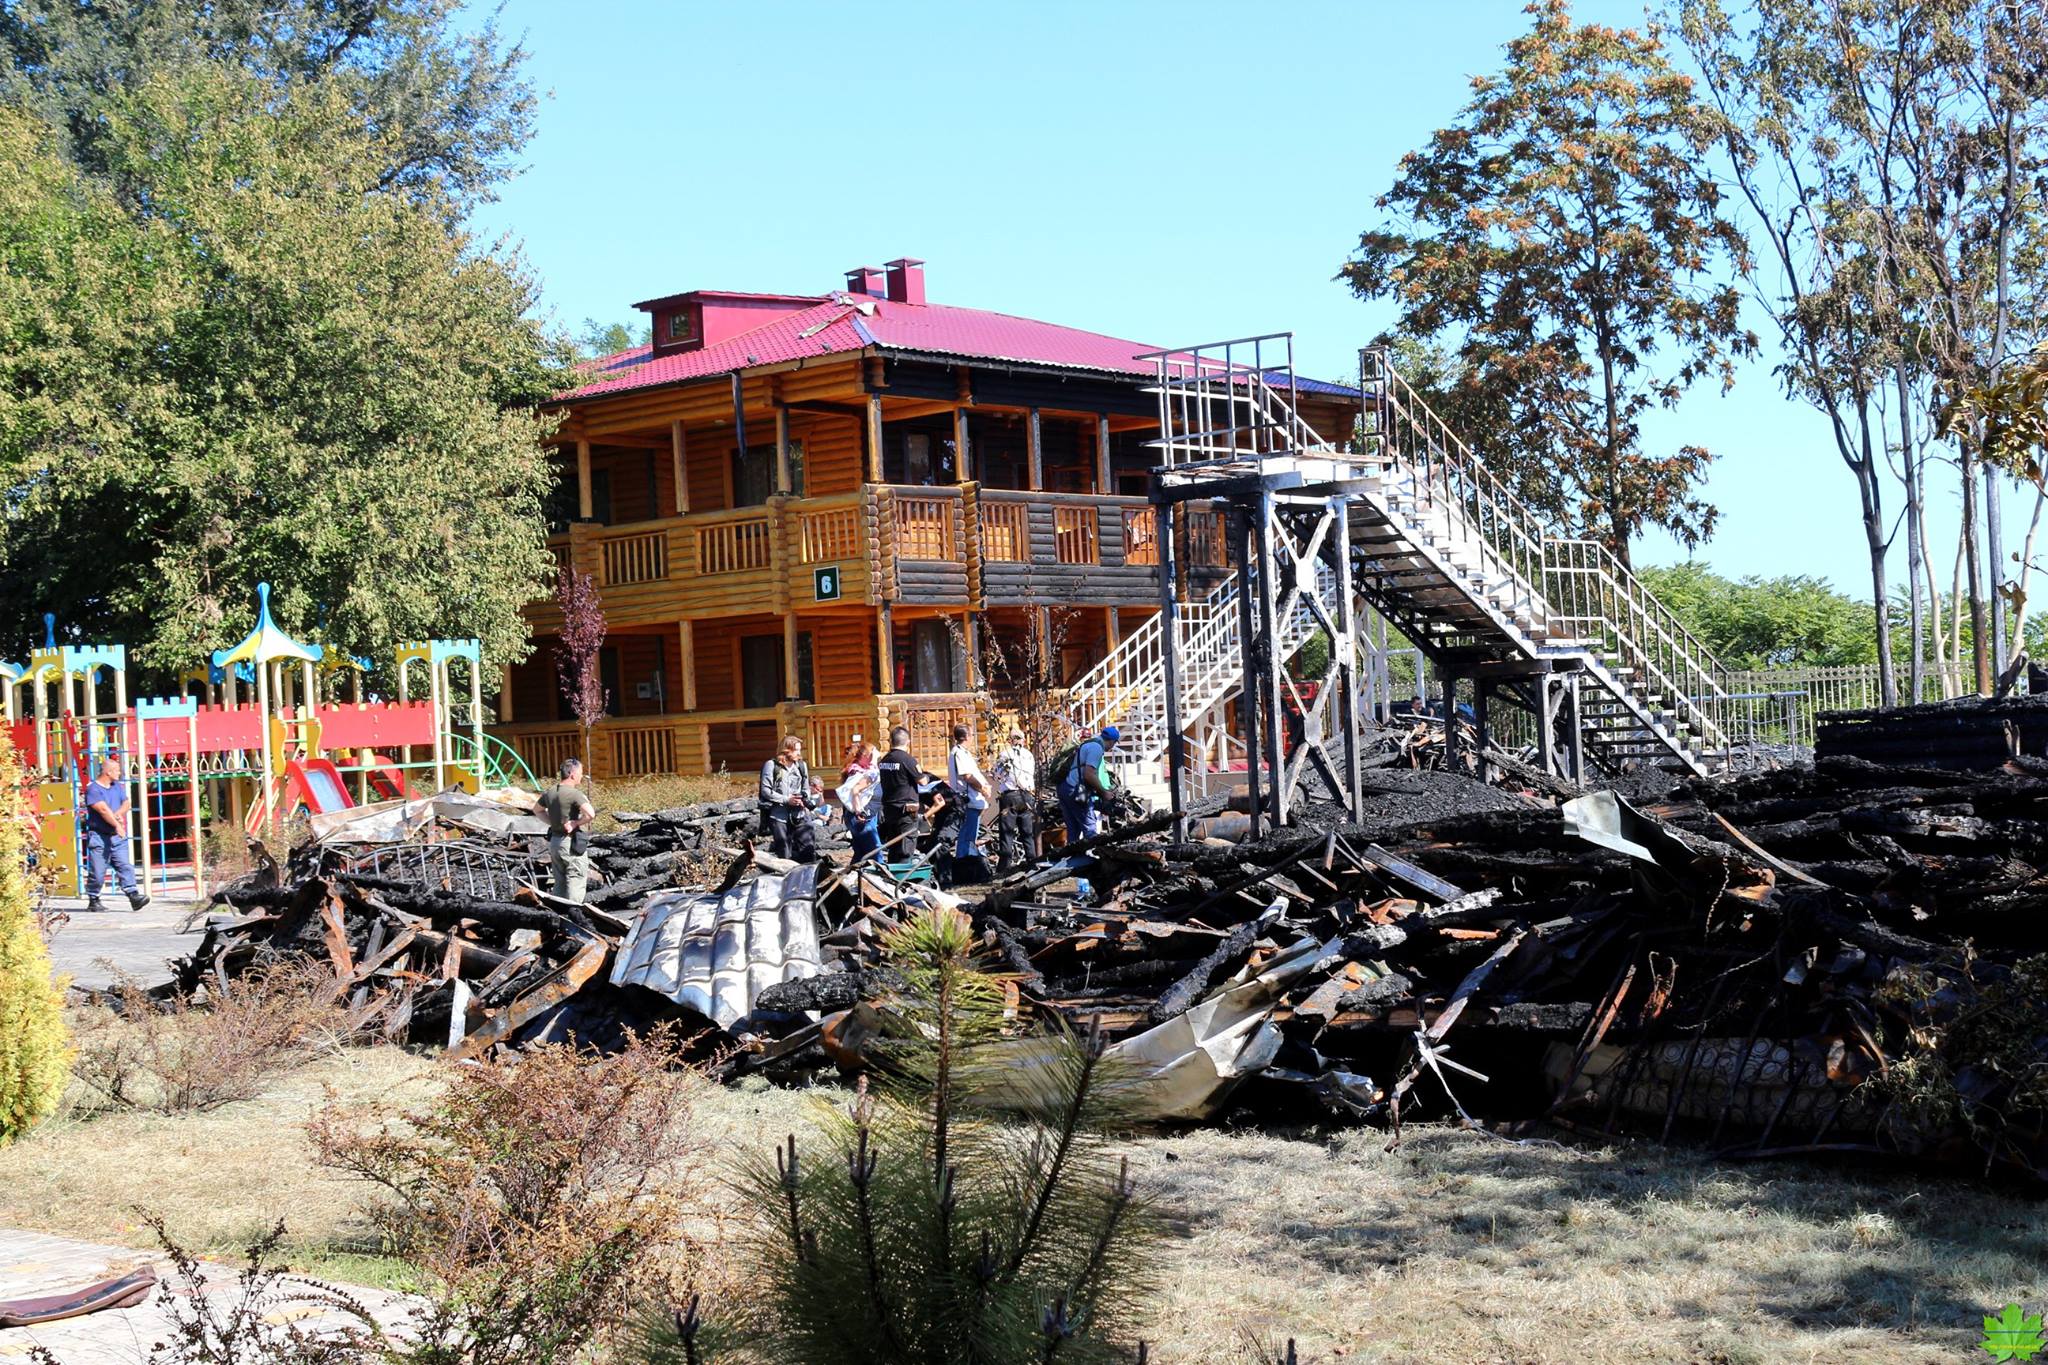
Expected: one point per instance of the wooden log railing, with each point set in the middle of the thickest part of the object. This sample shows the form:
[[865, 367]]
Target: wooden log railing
[[734, 542], [640, 747], [828, 533], [1141, 535], [930, 718], [1005, 530], [546, 748], [924, 524], [1076, 535], [1206, 546], [632, 557]]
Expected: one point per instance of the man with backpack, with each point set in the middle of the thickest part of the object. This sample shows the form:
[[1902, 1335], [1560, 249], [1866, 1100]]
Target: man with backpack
[[1085, 784], [786, 801]]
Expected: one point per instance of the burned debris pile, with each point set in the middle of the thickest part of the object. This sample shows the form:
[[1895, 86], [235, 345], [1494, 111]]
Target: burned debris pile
[[1838, 956], [1971, 733]]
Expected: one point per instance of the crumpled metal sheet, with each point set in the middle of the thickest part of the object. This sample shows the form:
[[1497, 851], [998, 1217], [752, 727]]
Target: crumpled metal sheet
[[395, 822], [1185, 1067], [714, 953]]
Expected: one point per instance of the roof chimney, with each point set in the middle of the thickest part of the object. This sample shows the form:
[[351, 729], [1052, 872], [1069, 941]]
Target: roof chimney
[[906, 280], [865, 279]]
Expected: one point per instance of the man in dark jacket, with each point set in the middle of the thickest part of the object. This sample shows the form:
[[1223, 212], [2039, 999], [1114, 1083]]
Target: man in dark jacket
[[901, 803]]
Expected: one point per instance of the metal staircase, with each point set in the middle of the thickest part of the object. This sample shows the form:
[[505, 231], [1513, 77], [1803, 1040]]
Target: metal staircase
[[1438, 545]]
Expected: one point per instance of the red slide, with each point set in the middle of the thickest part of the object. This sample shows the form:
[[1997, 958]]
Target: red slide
[[316, 784]]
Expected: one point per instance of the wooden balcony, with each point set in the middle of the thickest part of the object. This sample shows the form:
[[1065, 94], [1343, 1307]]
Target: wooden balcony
[[704, 743], [951, 545], [699, 743], [741, 562]]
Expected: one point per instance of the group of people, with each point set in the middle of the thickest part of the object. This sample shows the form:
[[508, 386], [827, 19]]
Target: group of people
[[891, 805]]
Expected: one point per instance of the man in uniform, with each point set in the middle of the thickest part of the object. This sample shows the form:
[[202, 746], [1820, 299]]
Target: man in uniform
[[902, 781], [569, 813]]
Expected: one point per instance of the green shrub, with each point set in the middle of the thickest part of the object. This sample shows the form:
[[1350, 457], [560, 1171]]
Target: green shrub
[[35, 1055]]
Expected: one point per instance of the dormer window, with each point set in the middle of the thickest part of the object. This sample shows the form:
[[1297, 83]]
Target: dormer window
[[682, 325]]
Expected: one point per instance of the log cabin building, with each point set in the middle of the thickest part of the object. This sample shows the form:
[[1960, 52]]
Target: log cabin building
[[825, 514]]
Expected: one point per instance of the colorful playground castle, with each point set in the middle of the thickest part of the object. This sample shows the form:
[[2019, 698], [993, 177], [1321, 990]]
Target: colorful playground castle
[[259, 736]]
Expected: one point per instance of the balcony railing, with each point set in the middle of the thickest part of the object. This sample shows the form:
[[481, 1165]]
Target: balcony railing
[[737, 543], [1141, 535], [924, 526], [1005, 531], [827, 534], [635, 558], [704, 742], [1076, 535]]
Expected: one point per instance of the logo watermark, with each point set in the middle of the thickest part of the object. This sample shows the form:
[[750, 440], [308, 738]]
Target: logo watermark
[[2014, 1334]]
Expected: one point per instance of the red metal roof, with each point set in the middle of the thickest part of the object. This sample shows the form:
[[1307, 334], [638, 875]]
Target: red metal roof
[[847, 323]]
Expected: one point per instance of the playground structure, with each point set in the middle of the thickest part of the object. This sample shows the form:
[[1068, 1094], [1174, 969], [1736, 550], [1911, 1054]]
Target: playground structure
[[258, 737]]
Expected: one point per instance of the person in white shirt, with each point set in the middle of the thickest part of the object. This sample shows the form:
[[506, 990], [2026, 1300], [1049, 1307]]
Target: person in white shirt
[[963, 773], [1016, 802]]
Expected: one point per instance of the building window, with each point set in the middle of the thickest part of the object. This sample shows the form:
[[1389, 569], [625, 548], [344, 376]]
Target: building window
[[760, 670], [761, 676], [682, 326], [753, 475], [931, 657]]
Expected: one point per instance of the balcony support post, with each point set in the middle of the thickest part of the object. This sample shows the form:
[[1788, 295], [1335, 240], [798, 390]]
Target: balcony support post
[[678, 446], [686, 662], [885, 648], [1104, 481], [874, 435], [584, 501], [782, 479], [790, 682], [1034, 446], [963, 456]]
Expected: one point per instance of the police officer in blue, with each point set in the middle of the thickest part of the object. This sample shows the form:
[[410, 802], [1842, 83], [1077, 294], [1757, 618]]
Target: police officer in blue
[[106, 836]]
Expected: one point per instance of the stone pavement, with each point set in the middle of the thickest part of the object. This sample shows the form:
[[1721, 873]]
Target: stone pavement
[[137, 942], [34, 1263]]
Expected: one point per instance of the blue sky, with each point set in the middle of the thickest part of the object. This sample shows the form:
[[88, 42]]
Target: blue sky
[[1169, 173]]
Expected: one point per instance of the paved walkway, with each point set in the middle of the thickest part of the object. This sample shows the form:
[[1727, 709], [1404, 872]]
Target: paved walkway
[[92, 947], [33, 1263]]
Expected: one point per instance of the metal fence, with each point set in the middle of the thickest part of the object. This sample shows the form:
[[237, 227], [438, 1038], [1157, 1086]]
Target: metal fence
[[1778, 705]]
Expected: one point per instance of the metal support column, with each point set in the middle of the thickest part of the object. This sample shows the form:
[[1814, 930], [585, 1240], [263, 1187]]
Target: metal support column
[[1345, 647], [1248, 695], [1576, 728], [1482, 695], [1270, 661], [1450, 722], [1169, 635]]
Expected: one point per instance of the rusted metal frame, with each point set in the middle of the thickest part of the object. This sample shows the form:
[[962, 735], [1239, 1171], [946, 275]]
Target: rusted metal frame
[[1692, 1053], [557, 986], [1596, 1030]]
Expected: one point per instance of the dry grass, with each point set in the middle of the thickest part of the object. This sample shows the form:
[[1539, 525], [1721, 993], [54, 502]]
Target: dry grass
[[219, 1179], [1455, 1247], [662, 791]]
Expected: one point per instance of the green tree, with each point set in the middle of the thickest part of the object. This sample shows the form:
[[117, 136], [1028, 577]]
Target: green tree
[[600, 339], [934, 1231], [35, 1056], [449, 102], [1566, 238], [1755, 622], [269, 366]]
